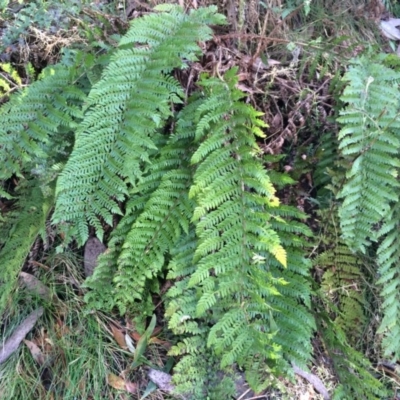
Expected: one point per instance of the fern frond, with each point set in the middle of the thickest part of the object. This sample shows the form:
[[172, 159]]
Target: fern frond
[[388, 256], [116, 136], [158, 211], [370, 140], [21, 230], [343, 285], [291, 310], [32, 119], [343, 280], [354, 371], [236, 263]]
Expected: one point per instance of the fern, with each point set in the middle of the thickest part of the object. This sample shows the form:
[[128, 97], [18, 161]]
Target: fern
[[157, 213], [36, 128], [206, 201], [369, 139], [342, 280], [19, 231], [341, 313], [291, 309], [388, 256], [231, 269], [371, 191], [31, 121], [116, 136], [354, 371], [197, 204]]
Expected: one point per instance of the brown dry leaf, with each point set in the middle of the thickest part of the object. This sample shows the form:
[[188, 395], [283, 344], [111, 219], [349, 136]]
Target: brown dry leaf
[[131, 387], [119, 337], [35, 352], [245, 88], [156, 331], [45, 342], [116, 382], [135, 336], [62, 329], [93, 249], [314, 380], [164, 343]]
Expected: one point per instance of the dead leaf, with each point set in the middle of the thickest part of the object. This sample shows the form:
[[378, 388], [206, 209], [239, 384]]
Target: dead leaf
[[161, 379], [129, 343], [389, 28], [157, 330], [119, 337], [45, 342], [120, 384], [164, 343], [116, 382], [135, 336], [245, 88], [314, 380], [35, 352], [13, 342], [62, 329], [131, 387]]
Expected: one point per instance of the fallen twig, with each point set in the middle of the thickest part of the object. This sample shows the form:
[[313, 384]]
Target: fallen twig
[[314, 380]]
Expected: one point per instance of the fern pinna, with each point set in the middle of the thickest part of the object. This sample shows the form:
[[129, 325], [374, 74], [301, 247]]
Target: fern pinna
[[370, 143]]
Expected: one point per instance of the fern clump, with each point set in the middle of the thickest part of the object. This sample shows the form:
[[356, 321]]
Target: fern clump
[[36, 132], [195, 204], [206, 212]]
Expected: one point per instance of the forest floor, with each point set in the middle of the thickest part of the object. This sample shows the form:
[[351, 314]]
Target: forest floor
[[290, 61]]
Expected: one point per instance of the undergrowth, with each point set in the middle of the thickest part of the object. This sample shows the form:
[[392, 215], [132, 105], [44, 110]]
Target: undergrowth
[[167, 166]]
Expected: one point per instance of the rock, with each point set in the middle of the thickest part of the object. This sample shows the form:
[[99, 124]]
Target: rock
[[93, 248]]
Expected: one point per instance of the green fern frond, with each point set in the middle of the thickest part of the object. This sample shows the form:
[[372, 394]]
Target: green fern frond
[[157, 213], [291, 310], [116, 136], [343, 284], [388, 256], [369, 140], [343, 279], [20, 231], [236, 264], [354, 371], [32, 119]]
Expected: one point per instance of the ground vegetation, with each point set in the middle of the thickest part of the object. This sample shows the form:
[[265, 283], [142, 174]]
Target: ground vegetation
[[199, 199]]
